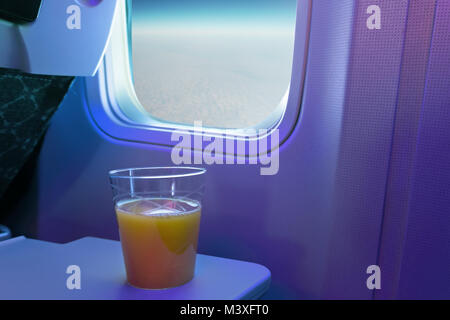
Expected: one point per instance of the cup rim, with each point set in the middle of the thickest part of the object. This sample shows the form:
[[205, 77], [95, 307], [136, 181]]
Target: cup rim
[[125, 173]]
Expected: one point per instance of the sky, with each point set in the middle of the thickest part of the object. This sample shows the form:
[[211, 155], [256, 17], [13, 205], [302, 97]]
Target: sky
[[270, 13]]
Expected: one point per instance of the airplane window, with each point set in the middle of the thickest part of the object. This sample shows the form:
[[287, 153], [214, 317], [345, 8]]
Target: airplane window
[[225, 63]]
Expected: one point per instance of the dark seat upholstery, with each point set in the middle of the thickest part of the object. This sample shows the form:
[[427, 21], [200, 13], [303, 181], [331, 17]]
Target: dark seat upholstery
[[27, 103]]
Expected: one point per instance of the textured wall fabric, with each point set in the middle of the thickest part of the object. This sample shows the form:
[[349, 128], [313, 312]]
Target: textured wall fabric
[[27, 103]]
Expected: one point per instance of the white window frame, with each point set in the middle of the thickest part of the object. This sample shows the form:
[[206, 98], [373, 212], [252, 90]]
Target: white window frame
[[114, 107]]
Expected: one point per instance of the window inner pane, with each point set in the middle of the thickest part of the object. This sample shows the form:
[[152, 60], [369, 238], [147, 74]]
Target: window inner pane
[[226, 63]]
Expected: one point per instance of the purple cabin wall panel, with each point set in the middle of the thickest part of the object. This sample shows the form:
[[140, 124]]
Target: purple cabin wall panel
[[426, 258], [364, 150], [409, 106]]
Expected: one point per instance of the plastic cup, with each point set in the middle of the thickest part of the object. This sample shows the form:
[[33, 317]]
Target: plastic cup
[[158, 211]]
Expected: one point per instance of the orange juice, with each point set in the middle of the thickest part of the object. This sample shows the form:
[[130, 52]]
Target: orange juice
[[159, 241]]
